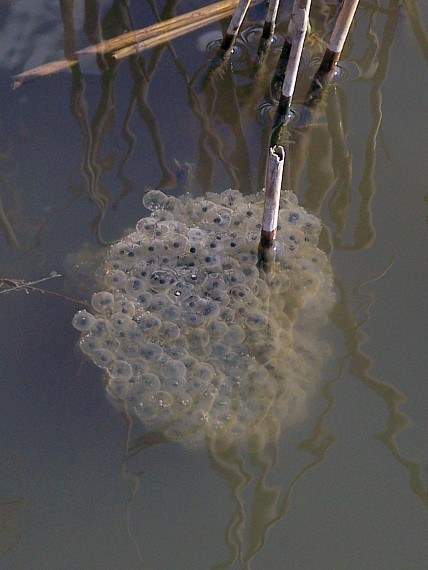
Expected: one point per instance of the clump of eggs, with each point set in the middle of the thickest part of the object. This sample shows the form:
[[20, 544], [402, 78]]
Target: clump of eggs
[[195, 339]]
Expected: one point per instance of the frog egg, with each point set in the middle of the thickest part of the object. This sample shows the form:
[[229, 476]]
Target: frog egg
[[161, 399], [198, 338], [163, 216], [162, 279], [208, 309], [122, 323], [220, 297], [235, 335], [151, 352], [176, 352], [102, 301], [219, 349], [135, 394], [244, 294], [158, 303], [176, 386], [101, 328], [216, 329], [157, 200], [188, 361], [89, 344], [134, 286], [146, 226], [224, 218], [251, 273], [170, 312], [248, 255], [265, 351], [111, 343], [83, 321], [229, 198], [199, 418], [122, 250], [180, 290], [288, 200], [103, 357], [194, 320], [215, 282], [214, 245], [120, 370], [202, 371], [166, 260], [235, 277], [150, 382], [143, 300], [210, 261], [115, 279], [196, 387], [139, 366], [140, 270], [152, 251], [196, 277], [191, 303], [115, 264], [169, 332], [221, 418], [255, 319], [177, 243], [117, 388], [124, 306], [227, 315], [149, 323], [173, 369]]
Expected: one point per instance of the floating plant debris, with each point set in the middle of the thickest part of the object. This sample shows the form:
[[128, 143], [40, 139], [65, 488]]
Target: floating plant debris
[[195, 339]]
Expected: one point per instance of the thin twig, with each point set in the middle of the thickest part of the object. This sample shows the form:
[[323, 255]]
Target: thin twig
[[11, 285]]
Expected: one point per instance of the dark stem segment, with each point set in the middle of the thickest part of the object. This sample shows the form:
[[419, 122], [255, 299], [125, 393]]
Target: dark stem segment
[[232, 31], [268, 28], [280, 120], [278, 77], [328, 65], [323, 77]]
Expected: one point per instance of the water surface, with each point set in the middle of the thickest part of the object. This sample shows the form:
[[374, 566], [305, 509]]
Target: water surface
[[82, 486]]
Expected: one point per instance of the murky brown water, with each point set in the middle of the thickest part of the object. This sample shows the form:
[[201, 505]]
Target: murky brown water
[[82, 485]]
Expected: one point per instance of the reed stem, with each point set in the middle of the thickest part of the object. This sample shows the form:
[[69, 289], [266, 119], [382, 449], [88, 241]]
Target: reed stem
[[300, 17], [266, 250], [327, 68], [268, 27]]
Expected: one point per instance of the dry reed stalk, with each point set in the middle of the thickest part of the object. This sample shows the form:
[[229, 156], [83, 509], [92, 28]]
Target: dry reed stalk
[[166, 36], [153, 35], [332, 54], [278, 77], [41, 71], [197, 18], [275, 170], [300, 15], [233, 28], [268, 26]]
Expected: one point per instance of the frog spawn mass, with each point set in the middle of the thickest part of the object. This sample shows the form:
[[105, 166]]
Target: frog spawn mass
[[195, 339]]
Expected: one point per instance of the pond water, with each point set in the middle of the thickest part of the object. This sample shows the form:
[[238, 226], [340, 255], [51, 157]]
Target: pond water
[[344, 482]]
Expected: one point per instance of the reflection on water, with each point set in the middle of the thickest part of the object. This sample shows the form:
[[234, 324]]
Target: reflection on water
[[334, 178]]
